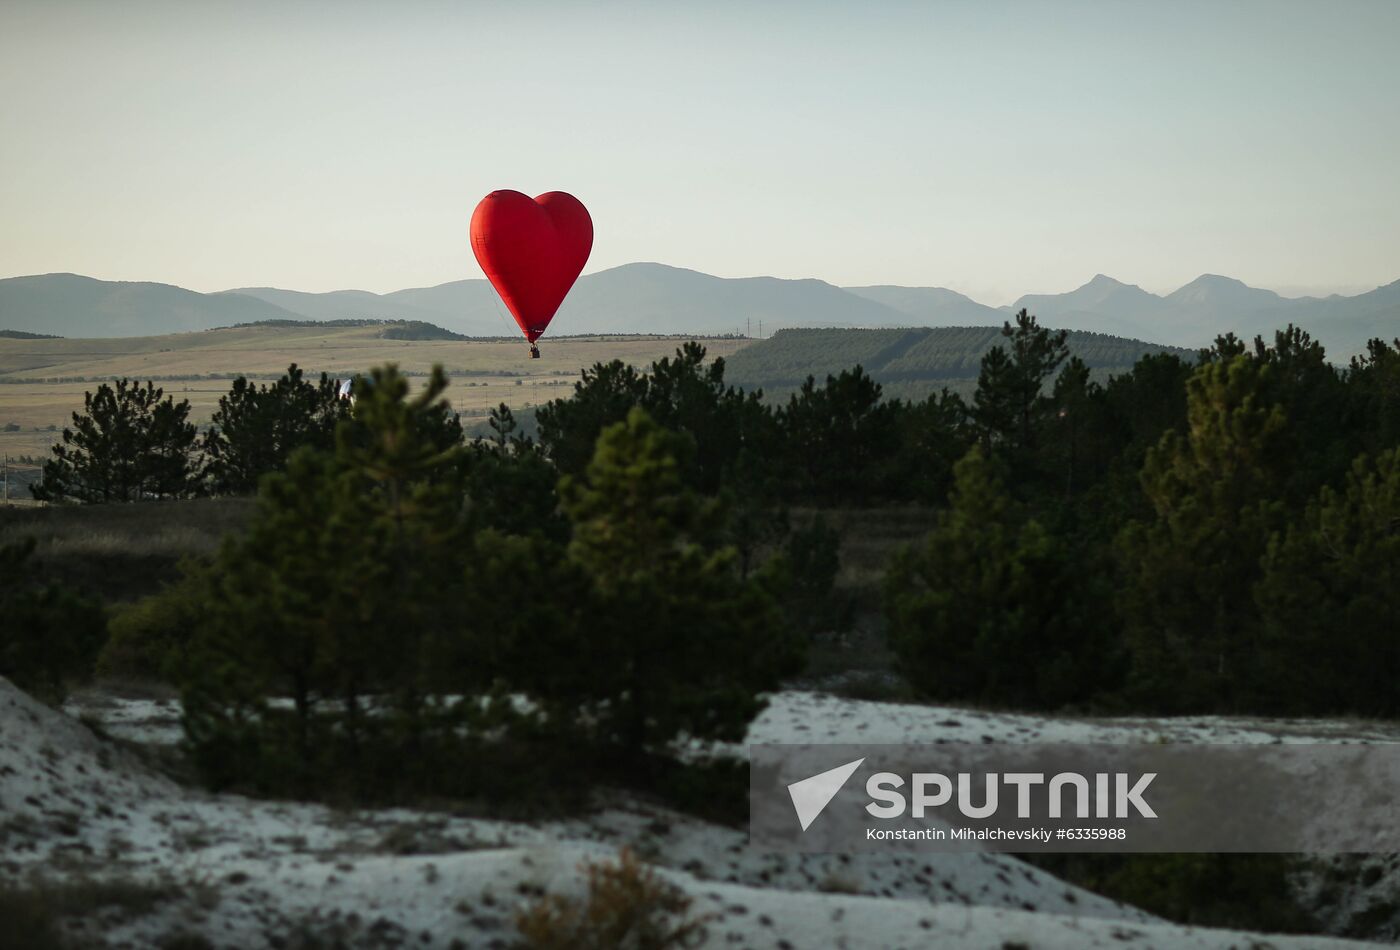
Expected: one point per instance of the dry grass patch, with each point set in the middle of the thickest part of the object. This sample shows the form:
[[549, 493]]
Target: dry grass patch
[[42, 381], [123, 551], [46, 914], [626, 905]]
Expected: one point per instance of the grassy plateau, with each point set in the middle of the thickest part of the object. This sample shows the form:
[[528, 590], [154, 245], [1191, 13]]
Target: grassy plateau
[[42, 381]]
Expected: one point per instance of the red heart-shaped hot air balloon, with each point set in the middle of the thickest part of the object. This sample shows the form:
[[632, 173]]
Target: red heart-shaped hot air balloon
[[532, 250]]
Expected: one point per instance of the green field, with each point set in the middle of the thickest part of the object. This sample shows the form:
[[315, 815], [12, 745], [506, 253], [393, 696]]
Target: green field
[[909, 363]]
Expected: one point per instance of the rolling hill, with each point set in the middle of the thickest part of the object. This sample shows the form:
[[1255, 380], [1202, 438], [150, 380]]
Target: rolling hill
[[74, 306], [650, 298], [908, 363], [469, 307]]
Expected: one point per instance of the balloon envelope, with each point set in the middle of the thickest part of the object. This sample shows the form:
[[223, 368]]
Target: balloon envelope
[[532, 250]]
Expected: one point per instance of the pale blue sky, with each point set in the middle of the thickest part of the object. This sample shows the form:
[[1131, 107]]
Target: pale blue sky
[[995, 148]]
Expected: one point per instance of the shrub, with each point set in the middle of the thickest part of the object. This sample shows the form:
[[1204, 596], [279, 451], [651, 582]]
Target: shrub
[[50, 635], [32, 912], [1238, 891], [626, 905], [148, 638], [28, 917]]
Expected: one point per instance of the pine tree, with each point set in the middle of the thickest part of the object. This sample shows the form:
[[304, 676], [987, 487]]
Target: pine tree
[[813, 559], [981, 609], [346, 582], [934, 434], [1373, 384], [511, 483], [757, 517], [677, 643], [1142, 405], [1321, 438], [1074, 398], [841, 439], [1189, 570], [569, 428], [1330, 601], [683, 393], [256, 428], [131, 442], [1010, 402]]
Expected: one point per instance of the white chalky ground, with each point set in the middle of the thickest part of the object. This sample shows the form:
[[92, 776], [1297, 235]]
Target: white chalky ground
[[250, 873]]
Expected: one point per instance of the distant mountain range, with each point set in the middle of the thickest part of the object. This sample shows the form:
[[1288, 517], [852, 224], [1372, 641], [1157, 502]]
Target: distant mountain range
[[73, 306], [656, 298], [1209, 305]]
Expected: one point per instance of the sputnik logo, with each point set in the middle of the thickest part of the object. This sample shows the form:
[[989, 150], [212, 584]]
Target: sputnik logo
[[811, 795]]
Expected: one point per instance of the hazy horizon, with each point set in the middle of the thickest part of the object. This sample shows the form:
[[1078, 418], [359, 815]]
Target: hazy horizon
[[994, 149], [1286, 292]]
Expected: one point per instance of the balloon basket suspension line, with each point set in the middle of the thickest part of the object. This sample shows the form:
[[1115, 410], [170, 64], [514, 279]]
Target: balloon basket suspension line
[[510, 325]]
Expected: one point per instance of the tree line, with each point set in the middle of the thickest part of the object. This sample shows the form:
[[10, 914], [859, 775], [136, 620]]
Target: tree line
[[1212, 534], [411, 613], [1217, 533]]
